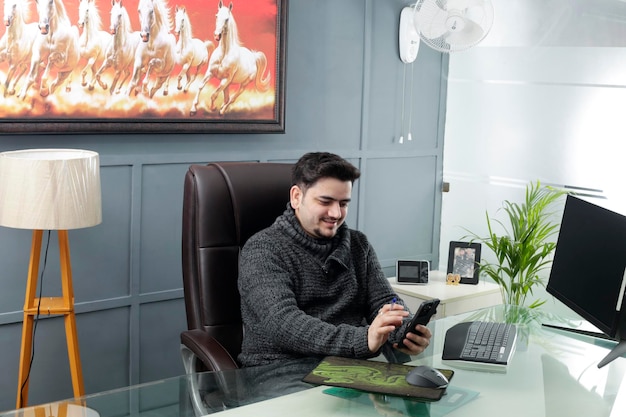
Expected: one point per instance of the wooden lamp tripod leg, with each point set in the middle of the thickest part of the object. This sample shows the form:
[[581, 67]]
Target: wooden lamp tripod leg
[[70, 317], [50, 305], [27, 326]]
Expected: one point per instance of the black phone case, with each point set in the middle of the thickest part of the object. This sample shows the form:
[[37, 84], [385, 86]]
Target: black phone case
[[425, 311]]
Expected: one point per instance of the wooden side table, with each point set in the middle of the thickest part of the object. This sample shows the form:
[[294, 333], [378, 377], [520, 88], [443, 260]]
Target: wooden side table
[[455, 299]]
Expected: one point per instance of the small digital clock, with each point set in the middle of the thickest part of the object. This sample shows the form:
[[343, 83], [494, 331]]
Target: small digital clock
[[412, 272]]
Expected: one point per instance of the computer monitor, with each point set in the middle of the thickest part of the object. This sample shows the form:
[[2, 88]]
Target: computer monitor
[[589, 267]]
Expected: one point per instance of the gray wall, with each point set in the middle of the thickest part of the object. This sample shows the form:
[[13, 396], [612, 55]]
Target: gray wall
[[347, 91]]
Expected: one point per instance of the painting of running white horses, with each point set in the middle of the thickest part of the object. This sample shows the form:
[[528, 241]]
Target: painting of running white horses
[[110, 66]]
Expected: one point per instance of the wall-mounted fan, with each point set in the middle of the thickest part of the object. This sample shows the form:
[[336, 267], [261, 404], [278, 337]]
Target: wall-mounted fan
[[444, 25]]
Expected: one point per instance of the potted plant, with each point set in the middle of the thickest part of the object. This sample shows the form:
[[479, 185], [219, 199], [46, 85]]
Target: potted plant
[[524, 250]]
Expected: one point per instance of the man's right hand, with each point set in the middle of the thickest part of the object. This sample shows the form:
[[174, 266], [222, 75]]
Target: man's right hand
[[385, 322]]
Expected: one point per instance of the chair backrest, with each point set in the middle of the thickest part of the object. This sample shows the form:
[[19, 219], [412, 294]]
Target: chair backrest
[[223, 205]]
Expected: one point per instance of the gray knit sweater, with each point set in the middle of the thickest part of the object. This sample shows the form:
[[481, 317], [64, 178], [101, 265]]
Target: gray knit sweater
[[303, 297]]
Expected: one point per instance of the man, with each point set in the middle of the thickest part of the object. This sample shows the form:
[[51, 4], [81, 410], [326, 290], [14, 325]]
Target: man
[[312, 287]]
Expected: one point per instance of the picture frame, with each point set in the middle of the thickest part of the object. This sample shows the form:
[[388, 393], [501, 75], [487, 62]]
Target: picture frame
[[81, 104], [464, 259]]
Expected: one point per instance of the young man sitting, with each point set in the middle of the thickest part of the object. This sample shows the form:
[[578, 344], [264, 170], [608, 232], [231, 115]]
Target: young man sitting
[[311, 287]]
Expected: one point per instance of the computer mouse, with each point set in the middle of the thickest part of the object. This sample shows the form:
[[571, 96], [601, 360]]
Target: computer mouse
[[426, 377]]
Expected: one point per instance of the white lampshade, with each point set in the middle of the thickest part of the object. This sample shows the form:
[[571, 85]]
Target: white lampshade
[[50, 189]]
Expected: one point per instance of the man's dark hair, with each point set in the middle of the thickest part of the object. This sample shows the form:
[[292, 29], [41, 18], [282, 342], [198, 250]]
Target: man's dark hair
[[314, 166]]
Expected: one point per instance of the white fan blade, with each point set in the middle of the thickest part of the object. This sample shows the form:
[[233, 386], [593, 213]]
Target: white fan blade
[[480, 11], [430, 20], [463, 4], [470, 35]]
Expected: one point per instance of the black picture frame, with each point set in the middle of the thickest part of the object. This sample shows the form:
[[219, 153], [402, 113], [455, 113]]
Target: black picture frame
[[44, 115], [464, 259]]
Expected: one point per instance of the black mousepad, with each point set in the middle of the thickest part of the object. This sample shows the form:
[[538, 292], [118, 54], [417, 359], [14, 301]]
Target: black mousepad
[[372, 376]]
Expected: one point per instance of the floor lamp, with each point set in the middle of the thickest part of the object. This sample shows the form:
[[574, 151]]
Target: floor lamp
[[49, 189]]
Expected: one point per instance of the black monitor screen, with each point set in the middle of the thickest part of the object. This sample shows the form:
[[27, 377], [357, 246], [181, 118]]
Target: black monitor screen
[[588, 268]]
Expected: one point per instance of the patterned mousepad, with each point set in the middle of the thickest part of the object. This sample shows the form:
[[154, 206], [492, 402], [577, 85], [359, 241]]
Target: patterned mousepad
[[372, 376]]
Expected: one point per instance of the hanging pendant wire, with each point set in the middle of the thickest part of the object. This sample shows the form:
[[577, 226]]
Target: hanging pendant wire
[[401, 140], [411, 103]]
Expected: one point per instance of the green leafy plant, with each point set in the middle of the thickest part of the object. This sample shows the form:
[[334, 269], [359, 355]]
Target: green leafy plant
[[525, 249]]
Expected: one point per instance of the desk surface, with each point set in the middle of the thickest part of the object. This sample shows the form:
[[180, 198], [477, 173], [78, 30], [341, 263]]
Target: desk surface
[[552, 374]]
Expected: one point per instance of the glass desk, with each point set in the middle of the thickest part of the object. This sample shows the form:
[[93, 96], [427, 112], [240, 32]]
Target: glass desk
[[552, 374]]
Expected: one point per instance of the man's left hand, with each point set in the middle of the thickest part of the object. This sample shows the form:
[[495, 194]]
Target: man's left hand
[[416, 341]]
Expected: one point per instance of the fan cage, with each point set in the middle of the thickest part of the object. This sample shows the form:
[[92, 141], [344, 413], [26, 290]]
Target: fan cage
[[430, 17]]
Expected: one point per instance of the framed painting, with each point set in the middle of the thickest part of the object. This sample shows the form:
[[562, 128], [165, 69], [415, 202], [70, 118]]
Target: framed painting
[[464, 260], [157, 66]]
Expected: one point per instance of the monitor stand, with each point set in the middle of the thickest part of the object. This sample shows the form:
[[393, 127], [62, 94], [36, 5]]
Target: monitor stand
[[616, 352]]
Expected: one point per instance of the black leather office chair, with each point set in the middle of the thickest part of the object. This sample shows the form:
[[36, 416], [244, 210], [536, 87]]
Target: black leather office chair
[[224, 204]]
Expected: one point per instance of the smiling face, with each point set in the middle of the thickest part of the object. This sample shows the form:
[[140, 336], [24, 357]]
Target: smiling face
[[322, 207]]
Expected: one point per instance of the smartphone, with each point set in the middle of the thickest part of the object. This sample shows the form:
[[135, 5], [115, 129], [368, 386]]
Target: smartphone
[[422, 316]]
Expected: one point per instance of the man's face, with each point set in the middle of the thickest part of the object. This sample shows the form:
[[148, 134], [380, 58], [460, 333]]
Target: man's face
[[323, 207]]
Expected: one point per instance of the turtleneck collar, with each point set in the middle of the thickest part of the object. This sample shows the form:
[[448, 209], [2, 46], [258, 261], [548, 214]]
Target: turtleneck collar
[[336, 248]]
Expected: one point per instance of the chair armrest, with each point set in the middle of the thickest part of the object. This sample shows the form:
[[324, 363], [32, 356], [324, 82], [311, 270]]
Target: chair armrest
[[206, 349]]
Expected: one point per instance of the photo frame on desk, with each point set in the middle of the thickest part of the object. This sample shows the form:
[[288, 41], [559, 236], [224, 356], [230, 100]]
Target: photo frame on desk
[[158, 93], [464, 260]]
